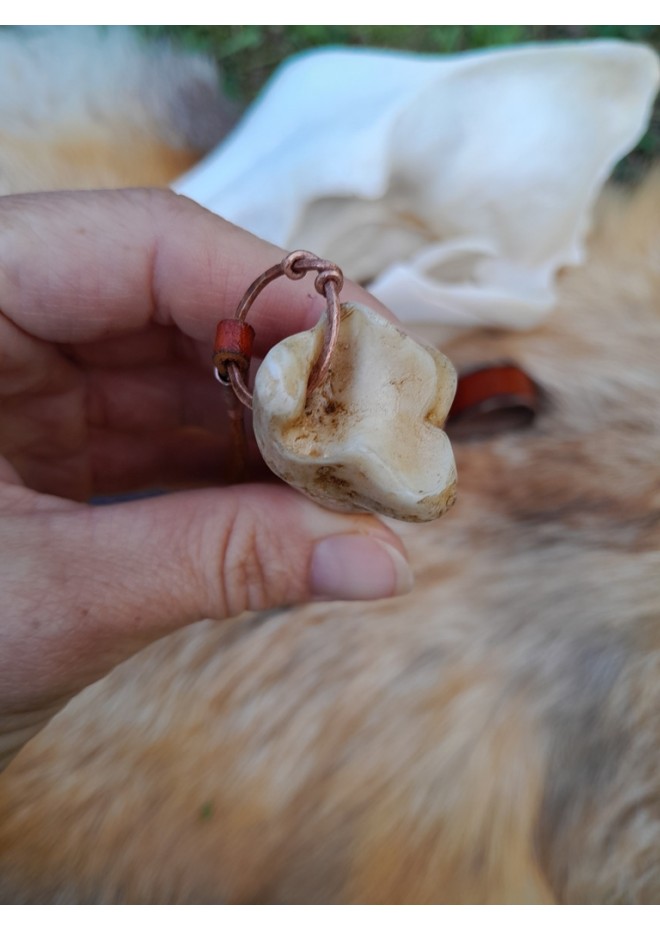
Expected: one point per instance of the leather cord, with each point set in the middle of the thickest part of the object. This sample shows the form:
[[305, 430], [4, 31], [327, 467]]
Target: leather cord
[[491, 400]]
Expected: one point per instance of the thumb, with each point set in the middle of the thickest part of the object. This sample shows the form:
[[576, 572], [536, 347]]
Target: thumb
[[86, 587], [217, 553]]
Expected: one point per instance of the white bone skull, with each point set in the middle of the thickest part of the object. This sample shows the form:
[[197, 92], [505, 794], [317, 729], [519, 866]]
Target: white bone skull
[[369, 437]]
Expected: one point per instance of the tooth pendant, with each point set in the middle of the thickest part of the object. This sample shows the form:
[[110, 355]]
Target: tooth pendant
[[350, 412], [369, 437]]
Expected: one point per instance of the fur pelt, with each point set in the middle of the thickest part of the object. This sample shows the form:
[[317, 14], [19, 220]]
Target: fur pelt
[[83, 107], [492, 737]]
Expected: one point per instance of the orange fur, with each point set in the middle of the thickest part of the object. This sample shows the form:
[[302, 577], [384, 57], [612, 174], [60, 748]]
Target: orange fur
[[84, 161], [85, 108]]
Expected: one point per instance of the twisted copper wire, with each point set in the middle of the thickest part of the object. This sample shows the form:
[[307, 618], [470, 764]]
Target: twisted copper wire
[[329, 282]]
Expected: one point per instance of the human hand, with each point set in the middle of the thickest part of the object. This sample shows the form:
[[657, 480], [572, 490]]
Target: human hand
[[108, 305]]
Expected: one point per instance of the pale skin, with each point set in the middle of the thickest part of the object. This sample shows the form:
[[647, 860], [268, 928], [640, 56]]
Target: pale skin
[[108, 305]]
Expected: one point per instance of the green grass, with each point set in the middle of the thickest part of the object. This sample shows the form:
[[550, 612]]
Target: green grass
[[249, 54]]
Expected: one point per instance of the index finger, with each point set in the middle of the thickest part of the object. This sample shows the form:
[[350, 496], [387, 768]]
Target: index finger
[[78, 267]]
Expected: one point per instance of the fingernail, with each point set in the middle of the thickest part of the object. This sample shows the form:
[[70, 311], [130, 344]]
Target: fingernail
[[358, 568]]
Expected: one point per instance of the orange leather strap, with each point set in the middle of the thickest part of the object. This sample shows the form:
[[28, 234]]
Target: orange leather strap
[[493, 399]]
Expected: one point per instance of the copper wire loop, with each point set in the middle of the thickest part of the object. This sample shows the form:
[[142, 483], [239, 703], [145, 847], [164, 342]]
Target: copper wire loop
[[329, 282]]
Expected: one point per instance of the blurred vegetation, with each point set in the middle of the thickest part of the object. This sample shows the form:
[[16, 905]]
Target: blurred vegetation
[[249, 54]]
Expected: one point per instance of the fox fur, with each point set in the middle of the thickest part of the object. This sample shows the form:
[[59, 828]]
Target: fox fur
[[492, 737], [87, 108]]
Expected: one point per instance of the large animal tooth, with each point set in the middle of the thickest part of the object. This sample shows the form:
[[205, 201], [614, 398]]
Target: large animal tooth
[[369, 437]]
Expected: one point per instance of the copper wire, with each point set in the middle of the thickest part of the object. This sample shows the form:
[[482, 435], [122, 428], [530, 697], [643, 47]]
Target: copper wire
[[329, 282]]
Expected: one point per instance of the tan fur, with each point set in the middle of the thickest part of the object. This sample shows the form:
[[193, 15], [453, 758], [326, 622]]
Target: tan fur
[[492, 737], [82, 161]]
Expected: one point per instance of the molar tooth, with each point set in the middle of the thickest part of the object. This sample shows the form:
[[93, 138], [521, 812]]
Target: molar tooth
[[369, 438]]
